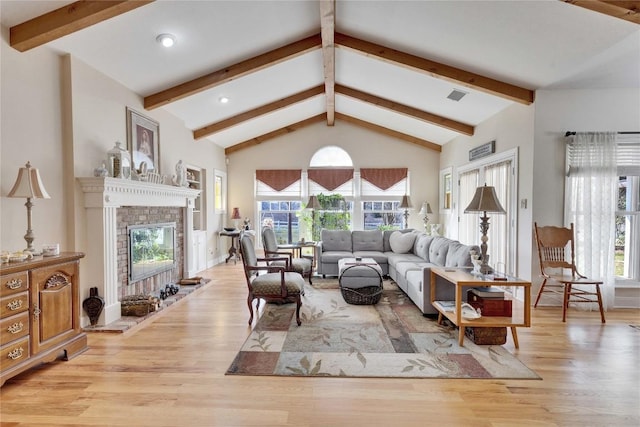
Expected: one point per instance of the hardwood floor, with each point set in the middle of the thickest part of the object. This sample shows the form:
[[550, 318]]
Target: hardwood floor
[[169, 371]]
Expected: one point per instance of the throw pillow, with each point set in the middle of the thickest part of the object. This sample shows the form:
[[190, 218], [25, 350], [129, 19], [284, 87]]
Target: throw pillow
[[401, 243]]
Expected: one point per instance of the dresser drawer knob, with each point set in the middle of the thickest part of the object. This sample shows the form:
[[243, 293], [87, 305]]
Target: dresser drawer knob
[[16, 353], [14, 284], [15, 328], [14, 305]]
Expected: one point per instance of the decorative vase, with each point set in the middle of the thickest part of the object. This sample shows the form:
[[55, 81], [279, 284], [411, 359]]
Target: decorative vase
[[93, 306]]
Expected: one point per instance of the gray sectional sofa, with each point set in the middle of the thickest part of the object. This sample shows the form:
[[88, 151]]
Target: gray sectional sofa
[[405, 255]]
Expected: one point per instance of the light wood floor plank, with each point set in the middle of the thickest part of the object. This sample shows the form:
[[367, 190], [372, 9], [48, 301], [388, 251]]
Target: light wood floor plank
[[169, 371]]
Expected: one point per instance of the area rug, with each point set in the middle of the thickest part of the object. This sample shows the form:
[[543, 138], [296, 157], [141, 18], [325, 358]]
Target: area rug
[[391, 339]]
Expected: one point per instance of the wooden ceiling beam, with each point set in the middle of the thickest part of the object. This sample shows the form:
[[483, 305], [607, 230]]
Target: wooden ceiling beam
[[406, 110], [437, 70], [256, 112], [274, 134], [327, 30], [232, 72], [67, 20], [622, 9], [386, 131]]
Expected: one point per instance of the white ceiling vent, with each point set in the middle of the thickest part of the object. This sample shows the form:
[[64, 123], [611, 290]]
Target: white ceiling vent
[[456, 95]]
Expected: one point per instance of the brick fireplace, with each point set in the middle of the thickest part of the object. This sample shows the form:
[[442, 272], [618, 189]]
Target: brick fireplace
[[145, 215], [110, 205]]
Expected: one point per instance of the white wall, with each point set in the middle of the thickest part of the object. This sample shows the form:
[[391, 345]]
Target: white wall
[[31, 122], [511, 128], [366, 148]]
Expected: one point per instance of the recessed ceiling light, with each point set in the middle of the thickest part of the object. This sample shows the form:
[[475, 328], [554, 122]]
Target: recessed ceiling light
[[167, 40], [456, 95], [223, 100]]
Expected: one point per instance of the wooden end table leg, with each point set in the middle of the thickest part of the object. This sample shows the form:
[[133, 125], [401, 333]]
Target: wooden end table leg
[[460, 335], [514, 334]]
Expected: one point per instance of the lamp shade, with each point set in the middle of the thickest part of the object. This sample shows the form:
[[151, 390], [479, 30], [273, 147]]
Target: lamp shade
[[426, 209], [29, 184], [235, 214], [485, 200], [313, 203], [405, 203]]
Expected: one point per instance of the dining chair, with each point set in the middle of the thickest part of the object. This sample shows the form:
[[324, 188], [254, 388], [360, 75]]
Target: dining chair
[[556, 250]]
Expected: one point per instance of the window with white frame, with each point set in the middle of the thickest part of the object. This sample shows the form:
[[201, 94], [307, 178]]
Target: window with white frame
[[219, 191], [626, 197], [500, 172], [370, 197]]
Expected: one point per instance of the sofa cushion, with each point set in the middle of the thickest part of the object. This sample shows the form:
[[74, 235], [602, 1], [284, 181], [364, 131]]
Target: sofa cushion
[[379, 257], [386, 234], [438, 250], [458, 255], [336, 240], [332, 257], [401, 243], [367, 240], [421, 246]]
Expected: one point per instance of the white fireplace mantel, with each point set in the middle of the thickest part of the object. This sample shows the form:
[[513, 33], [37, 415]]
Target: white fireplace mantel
[[102, 197]]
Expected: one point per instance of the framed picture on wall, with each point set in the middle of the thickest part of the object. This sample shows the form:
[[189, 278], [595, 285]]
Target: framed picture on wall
[[143, 141]]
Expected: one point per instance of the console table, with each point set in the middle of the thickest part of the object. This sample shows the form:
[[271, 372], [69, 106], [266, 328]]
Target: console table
[[462, 278], [39, 312]]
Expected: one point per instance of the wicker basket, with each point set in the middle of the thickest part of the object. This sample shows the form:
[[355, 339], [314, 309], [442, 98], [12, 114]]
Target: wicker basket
[[362, 296], [365, 295]]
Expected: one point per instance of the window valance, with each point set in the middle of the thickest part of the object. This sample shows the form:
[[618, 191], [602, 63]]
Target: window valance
[[278, 179], [330, 178], [383, 178]]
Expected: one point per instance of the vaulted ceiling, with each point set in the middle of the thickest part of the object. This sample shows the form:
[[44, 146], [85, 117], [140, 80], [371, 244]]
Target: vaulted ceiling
[[390, 66]]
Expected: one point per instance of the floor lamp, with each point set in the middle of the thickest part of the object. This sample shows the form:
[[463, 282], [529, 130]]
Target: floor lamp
[[485, 200], [406, 205], [29, 185], [313, 204]]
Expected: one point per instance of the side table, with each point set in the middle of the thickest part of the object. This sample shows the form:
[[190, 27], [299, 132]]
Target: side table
[[233, 250]]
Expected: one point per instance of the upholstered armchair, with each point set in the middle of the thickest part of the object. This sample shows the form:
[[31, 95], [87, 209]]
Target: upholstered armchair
[[302, 265], [269, 282]]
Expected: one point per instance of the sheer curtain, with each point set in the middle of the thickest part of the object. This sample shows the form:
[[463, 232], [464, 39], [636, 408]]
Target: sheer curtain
[[497, 175], [591, 202], [468, 228]]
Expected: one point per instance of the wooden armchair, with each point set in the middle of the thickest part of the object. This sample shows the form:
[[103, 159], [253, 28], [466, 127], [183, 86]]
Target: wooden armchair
[[302, 265], [275, 284], [553, 243]]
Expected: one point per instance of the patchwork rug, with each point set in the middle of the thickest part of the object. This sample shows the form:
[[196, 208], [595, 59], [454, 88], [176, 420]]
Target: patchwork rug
[[389, 339]]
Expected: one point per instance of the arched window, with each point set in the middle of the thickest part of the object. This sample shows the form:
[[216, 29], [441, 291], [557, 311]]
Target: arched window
[[330, 155]]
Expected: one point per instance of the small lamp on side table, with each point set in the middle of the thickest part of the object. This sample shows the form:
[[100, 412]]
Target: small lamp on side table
[[425, 211], [236, 217], [29, 185]]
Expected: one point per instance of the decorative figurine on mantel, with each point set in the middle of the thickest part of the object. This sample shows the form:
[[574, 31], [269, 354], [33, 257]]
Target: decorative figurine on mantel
[[101, 171], [180, 178]]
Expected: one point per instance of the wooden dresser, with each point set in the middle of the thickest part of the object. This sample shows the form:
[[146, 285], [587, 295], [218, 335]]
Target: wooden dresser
[[39, 312]]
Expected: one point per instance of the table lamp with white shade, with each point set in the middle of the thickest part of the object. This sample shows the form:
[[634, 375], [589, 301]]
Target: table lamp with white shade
[[29, 185]]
